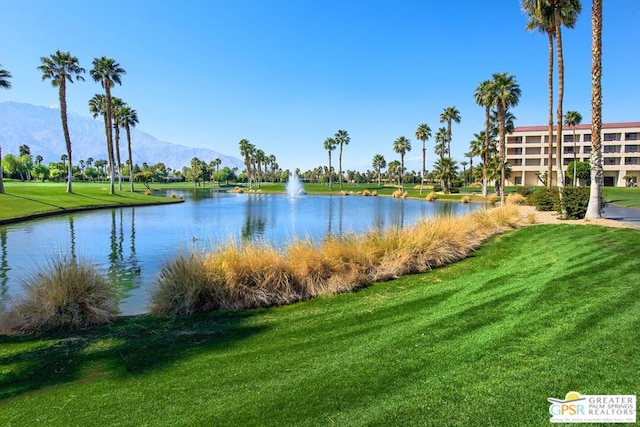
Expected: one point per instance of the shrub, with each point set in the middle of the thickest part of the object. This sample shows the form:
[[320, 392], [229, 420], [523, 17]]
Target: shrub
[[65, 295], [374, 193], [544, 199], [456, 184], [576, 200], [147, 192], [405, 195], [454, 190], [366, 193], [475, 185], [437, 188], [173, 195], [515, 199], [465, 199], [397, 194], [431, 197], [524, 191]]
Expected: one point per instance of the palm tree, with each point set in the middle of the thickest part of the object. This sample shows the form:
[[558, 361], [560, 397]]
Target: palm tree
[[593, 208], [484, 97], [342, 138], [445, 170], [246, 150], [330, 145], [116, 105], [441, 142], [4, 84], [260, 157], [573, 118], [506, 95], [423, 133], [401, 146], [395, 170], [448, 115], [60, 68], [128, 118], [378, 164], [108, 72], [548, 16]]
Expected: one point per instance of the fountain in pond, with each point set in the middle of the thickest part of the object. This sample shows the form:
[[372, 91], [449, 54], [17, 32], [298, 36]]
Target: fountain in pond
[[294, 186]]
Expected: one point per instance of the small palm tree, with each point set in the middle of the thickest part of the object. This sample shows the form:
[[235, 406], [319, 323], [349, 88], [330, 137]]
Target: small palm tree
[[506, 95], [423, 133], [445, 170], [62, 67], [342, 138], [441, 143], [395, 171], [401, 146], [330, 145], [378, 164], [128, 118], [573, 118], [246, 150], [108, 72], [448, 115], [593, 208]]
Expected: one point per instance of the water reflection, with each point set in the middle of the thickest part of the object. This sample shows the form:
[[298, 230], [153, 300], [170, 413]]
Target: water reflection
[[132, 244]]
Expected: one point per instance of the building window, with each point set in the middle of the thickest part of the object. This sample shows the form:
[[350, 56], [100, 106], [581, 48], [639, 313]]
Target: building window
[[611, 149], [587, 137], [631, 161], [631, 136], [611, 136], [630, 148], [587, 149], [516, 162], [609, 161], [569, 150], [568, 138], [567, 160], [518, 180]]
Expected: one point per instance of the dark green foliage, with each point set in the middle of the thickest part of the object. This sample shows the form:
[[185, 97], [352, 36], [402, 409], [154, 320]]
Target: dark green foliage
[[456, 184], [576, 200], [437, 188], [544, 199], [454, 190], [524, 191]]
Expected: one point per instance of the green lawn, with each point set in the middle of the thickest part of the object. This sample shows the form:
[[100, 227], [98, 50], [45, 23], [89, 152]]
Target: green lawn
[[534, 313], [623, 196], [24, 199]]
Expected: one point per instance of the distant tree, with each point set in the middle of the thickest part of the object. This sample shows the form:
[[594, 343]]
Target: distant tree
[[573, 118], [4, 84], [128, 119], [24, 149], [441, 143], [60, 68], [246, 150], [449, 114], [395, 171], [579, 170], [39, 159], [423, 133], [379, 163], [445, 170], [108, 72], [401, 145], [342, 138], [330, 145], [116, 105]]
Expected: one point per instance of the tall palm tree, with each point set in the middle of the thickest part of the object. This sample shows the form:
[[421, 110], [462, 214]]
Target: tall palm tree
[[441, 142], [573, 118], [246, 150], [395, 170], [62, 67], [128, 118], [116, 105], [260, 157], [484, 97], [108, 72], [401, 145], [548, 16], [330, 145], [506, 95], [4, 84], [378, 164], [272, 162], [448, 115], [423, 133], [593, 208], [342, 138]]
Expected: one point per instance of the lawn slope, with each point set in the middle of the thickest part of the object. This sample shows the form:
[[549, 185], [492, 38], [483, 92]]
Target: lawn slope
[[534, 313]]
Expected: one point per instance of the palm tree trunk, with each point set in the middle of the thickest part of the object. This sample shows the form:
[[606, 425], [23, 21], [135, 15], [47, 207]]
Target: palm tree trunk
[[593, 208], [1, 177], [559, 165], [340, 162], [501, 133], [108, 125], [117, 128], [62, 95], [424, 165], [330, 180], [550, 83], [485, 153], [575, 158], [130, 157]]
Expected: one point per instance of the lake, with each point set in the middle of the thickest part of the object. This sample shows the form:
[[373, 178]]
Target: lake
[[131, 244]]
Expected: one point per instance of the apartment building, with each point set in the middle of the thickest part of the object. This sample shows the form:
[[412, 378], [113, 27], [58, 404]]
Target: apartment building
[[528, 147]]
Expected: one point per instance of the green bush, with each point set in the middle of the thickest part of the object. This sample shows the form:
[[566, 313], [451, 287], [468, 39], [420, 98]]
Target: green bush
[[437, 188], [456, 184], [524, 191], [576, 200], [544, 199], [454, 190]]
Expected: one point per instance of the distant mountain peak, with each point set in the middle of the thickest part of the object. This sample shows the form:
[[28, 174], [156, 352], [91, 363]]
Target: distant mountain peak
[[40, 128]]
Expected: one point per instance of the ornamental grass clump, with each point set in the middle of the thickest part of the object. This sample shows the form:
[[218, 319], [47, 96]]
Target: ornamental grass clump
[[66, 295], [431, 197], [515, 199]]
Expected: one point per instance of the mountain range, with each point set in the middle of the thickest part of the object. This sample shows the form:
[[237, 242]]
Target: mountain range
[[41, 129]]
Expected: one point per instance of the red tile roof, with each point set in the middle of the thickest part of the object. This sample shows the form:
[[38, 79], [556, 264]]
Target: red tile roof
[[578, 127]]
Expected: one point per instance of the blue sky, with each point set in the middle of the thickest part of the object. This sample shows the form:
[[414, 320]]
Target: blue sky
[[287, 74]]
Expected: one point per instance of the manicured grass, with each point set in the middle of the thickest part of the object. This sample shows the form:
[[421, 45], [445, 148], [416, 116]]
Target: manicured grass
[[535, 313], [623, 196], [25, 199]]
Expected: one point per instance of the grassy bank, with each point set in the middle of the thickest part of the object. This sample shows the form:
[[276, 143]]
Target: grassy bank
[[481, 342], [23, 200], [623, 196]]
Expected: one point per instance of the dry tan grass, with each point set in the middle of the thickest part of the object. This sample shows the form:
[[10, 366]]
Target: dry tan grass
[[65, 295], [431, 197], [397, 194], [492, 199], [465, 199], [239, 277], [515, 199]]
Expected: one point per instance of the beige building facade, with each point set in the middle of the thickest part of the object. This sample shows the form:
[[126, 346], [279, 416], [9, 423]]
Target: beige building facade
[[527, 152]]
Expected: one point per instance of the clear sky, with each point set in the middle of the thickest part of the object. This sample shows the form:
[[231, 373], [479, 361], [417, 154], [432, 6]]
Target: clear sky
[[287, 74]]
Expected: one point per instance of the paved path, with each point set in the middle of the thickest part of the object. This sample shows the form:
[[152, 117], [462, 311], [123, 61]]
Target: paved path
[[620, 213]]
